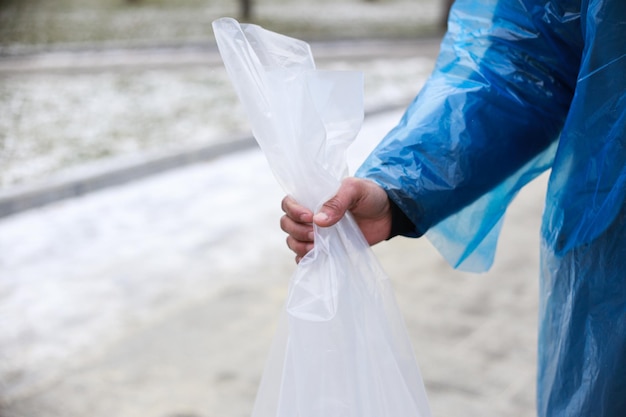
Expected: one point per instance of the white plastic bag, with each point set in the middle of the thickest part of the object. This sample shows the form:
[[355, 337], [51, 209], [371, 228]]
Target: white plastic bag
[[341, 349]]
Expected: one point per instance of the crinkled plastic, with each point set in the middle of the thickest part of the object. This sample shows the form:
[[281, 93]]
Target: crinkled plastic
[[341, 349], [486, 118], [522, 85]]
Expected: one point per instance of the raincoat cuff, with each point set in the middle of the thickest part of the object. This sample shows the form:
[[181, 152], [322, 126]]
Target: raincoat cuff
[[401, 225]]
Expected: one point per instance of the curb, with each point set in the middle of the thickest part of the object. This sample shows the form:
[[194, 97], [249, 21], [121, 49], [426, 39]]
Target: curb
[[18, 199]]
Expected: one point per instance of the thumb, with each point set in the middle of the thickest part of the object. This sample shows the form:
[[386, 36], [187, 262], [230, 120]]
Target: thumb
[[334, 209]]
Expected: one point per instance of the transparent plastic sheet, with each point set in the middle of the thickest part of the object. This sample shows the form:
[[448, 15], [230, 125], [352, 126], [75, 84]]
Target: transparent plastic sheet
[[341, 349]]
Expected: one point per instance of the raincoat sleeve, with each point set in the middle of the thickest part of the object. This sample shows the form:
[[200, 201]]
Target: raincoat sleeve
[[484, 124], [588, 182]]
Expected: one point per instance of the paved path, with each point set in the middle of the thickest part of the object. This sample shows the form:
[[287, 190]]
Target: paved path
[[159, 298]]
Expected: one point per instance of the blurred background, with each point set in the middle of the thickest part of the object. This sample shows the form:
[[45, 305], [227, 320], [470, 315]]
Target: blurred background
[[142, 269], [137, 70]]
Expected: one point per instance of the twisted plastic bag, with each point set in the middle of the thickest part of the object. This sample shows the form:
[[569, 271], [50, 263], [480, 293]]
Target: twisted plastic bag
[[342, 349]]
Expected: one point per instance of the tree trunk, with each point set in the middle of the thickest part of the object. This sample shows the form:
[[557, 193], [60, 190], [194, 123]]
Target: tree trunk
[[246, 9], [443, 21]]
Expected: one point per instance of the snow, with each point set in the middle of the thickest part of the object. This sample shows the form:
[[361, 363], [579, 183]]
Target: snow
[[54, 121]]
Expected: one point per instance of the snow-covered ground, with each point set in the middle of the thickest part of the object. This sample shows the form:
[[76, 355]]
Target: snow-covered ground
[[53, 121]]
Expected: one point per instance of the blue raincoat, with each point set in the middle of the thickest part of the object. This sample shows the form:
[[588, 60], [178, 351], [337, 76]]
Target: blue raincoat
[[522, 86]]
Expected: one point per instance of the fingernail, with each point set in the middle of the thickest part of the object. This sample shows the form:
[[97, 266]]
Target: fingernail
[[320, 217], [311, 236]]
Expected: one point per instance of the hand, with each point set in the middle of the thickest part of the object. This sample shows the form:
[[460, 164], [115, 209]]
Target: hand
[[366, 200]]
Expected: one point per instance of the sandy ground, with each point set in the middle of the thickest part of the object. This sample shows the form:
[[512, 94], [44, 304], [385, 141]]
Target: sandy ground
[[160, 298]]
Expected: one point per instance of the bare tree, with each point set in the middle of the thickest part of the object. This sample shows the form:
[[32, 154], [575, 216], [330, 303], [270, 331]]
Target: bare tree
[[443, 21], [245, 11]]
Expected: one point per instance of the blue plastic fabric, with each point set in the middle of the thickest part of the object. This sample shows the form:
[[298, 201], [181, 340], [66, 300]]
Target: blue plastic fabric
[[521, 86]]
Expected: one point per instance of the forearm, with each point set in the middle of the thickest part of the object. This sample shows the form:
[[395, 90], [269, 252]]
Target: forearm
[[497, 98]]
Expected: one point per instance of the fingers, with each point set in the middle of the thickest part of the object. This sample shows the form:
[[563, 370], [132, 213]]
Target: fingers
[[298, 247], [348, 195], [300, 236], [297, 223], [295, 211], [299, 231], [367, 201]]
